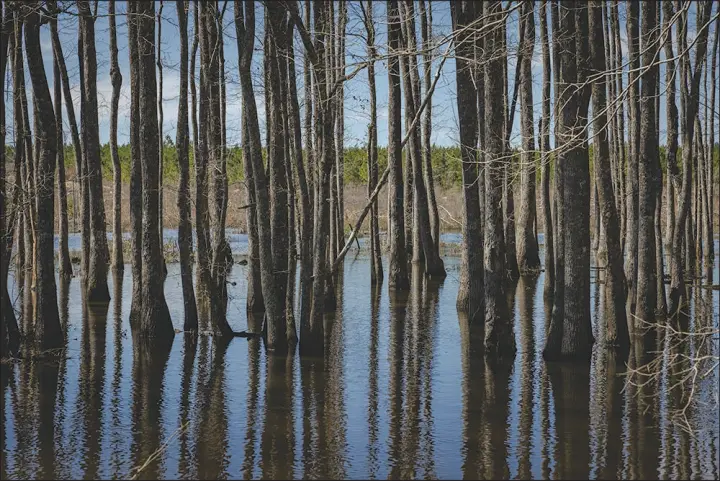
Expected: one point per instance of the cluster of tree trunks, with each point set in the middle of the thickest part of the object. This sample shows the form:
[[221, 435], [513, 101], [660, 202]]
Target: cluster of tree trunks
[[601, 191]]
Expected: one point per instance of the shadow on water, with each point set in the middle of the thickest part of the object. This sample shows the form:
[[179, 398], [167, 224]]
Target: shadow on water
[[404, 391]]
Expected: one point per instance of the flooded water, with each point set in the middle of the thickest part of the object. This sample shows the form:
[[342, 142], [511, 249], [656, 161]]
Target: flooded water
[[402, 393]]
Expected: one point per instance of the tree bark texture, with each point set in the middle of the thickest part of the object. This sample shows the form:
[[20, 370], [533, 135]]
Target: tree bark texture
[[398, 265], [154, 317], [274, 306], [648, 178], [499, 336], [470, 290], [545, 156], [528, 258], [65, 266], [116, 80], [136, 187], [47, 328], [96, 280], [616, 329], [185, 238]]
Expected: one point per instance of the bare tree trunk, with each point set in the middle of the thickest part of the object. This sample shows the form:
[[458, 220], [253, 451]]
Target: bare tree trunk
[[648, 178], [427, 46], [77, 146], [545, 157], [245, 28], [116, 79], [303, 185], [217, 258], [622, 151], [184, 200], [671, 122], [47, 321], [398, 268], [423, 245], [528, 258], [27, 179], [96, 280], [9, 333], [499, 338], [65, 267], [340, 126], [616, 329], [4, 297], [710, 177], [570, 334], [376, 270], [161, 142], [308, 120], [155, 317], [470, 291], [690, 98], [276, 54], [136, 188], [631, 257]]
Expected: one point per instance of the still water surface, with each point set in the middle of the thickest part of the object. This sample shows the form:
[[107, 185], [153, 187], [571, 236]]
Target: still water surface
[[402, 393]]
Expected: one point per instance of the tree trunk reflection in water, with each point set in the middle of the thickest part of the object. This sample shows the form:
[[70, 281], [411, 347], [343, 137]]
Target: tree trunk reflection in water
[[149, 364], [373, 425], [211, 451], [189, 352], [473, 399], [525, 295], [571, 396], [253, 374], [92, 386], [277, 456], [398, 304]]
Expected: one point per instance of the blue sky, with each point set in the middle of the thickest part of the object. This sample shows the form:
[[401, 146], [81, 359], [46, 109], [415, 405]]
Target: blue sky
[[445, 126]]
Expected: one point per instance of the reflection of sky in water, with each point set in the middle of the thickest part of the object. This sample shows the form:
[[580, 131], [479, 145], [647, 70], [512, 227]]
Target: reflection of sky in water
[[452, 417]]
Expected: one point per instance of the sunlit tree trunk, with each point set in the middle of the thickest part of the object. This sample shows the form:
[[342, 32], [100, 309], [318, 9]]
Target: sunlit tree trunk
[[154, 317], [9, 334], [376, 269], [47, 321], [275, 54], [671, 147], [427, 46], [528, 258], [77, 146], [65, 266], [96, 285], [398, 268], [136, 227], [689, 88], [470, 290], [184, 200], [26, 235], [423, 246], [633, 52], [622, 152], [545, 156], [499, 338], [303, 185], [340, 125], [161, 140], [616, 330], [116, 80], [648, 177], [570, 332], [274, 306]]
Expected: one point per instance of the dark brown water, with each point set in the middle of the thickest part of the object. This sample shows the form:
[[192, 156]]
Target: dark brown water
[[402, 393]]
